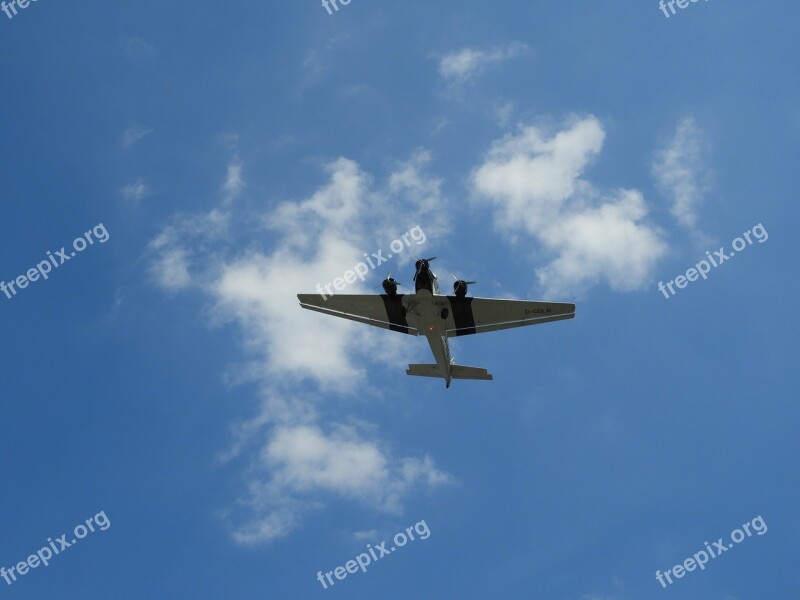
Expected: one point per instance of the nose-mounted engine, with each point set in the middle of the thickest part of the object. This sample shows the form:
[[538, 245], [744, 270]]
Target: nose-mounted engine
[[421, 266], [424, 279]]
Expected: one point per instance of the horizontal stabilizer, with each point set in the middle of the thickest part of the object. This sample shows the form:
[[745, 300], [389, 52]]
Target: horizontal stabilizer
[[463, 372], [424, 371]]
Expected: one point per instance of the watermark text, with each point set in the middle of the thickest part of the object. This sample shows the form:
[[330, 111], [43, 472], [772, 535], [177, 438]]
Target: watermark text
[[701, 557], [703, 268], [373, 554], [44, 268], [54, 548], [361, 270]]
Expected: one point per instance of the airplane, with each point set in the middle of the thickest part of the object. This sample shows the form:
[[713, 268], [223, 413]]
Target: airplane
[[437, 317]]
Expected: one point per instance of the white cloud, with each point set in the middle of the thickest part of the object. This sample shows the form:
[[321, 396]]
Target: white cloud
[[184, 244], [534, 184], [260, 293], [608, 243], [301, 464], [680, 171], [339, 202], [278, 407], [135, 192], [171, 269], [304, 458], [318, 239], [465, 65]]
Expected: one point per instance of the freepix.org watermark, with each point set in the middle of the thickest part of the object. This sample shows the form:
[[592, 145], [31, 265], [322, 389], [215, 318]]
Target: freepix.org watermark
[[44, 268], [10, 8], [326, 4], [360, 270], [701, 558], [703, 268], [375, 553], [54, 548], [664, 4]]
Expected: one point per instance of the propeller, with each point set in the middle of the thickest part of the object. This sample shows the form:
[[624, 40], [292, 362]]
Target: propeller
[[457, 279], [460, 286], [388, 278], [389, 285], [420, 262]]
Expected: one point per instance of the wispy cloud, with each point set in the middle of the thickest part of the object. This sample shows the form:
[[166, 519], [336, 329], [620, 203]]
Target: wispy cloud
[[136, 48], [171, 269], [368, 535], [183, 245], [681, 173], [534, 184], [135, 192], [234, 184], [465, 65], [503, 112], [133, 134]]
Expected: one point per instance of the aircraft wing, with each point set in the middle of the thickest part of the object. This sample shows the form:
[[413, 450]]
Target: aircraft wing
[[478, 315], [378, 310]]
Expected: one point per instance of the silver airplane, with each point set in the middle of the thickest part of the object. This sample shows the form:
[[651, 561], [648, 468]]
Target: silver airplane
[[437, 317]]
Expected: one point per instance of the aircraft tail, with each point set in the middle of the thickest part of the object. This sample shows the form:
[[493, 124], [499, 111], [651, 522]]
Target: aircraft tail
[[464, 372], [424, 371], [456, 372]]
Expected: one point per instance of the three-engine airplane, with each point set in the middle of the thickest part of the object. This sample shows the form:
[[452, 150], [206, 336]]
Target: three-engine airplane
[[437, 317]]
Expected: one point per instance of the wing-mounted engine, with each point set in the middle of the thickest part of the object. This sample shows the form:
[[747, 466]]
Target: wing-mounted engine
[[390, 286], [461, 287]]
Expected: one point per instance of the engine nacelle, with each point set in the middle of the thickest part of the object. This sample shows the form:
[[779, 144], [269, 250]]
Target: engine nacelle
[[460, 288], [390, 286]]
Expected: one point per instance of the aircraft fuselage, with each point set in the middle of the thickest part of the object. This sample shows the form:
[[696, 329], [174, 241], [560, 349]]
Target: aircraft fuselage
[[429, 317]]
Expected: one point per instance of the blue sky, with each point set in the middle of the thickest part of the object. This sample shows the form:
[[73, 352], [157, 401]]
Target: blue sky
[[240, 154]]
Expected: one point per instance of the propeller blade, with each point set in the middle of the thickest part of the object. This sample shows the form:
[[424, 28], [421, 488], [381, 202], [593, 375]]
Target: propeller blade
[[467, 282], [388, 276]]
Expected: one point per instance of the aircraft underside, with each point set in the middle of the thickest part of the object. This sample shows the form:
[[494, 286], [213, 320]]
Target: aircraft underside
[[437, 317]]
